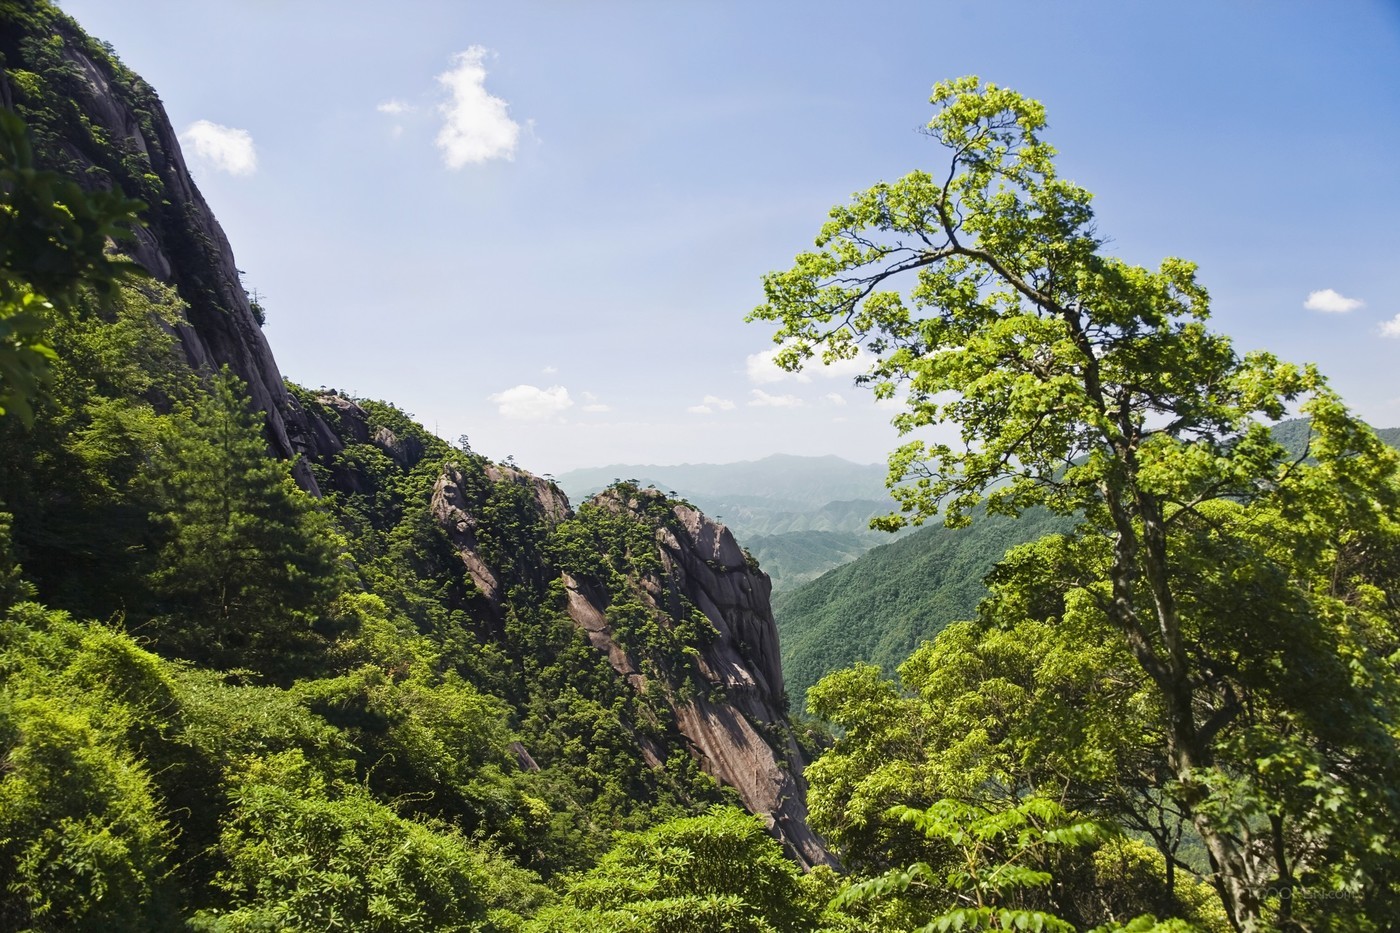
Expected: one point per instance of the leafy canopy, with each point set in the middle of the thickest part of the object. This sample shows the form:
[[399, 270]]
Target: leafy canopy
[[1092, 387]]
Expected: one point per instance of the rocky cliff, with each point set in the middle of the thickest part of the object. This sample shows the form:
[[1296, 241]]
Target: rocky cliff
[[670, 606], [728, 704], [96, 121]]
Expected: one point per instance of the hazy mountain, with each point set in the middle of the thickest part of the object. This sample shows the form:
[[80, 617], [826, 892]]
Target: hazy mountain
[[879, 607], [800, 516]]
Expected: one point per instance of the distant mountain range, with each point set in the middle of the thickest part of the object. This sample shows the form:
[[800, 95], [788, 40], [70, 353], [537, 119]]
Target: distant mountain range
[[883, 604], [800, 516]]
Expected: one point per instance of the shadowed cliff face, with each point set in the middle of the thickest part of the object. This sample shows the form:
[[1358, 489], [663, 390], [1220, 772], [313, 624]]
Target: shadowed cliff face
[[130, 144], [718, 685], [743, 740], [729, 707]]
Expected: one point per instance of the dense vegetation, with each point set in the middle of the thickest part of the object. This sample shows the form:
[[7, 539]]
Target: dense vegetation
[[882, 606], [1235, 604], [226, 704]]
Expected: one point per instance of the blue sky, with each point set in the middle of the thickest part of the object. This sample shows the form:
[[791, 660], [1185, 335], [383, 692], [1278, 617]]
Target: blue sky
[[541, 224]]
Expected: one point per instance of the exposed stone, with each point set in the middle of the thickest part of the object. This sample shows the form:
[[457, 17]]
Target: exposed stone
[[406, 452], [183, 244]]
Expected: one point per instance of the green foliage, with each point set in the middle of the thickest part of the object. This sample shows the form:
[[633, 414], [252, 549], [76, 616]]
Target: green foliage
[[1093, 388], [247, 563], [13, 586], [82, 524], [305, 856], [84, 844], [996, 861], [717, 872], [53, 243]]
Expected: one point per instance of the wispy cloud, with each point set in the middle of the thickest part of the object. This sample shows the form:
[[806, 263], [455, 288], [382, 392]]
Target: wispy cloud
[[531, 403], [222, 148], [476, 126], [710, 404], [833, 398], [760, 399], [762, 370], [1391, 328], [395, 107], [1330, 301]]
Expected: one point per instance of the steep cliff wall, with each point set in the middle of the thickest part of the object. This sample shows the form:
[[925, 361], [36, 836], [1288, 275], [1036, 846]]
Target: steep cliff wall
[[726, 692], [738, 726], [659, 599], [96, 121]]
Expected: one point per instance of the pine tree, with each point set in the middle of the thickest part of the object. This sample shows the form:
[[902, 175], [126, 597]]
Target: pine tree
[[247, 562]]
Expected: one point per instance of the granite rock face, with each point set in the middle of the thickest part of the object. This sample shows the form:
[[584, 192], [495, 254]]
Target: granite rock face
[[180, 243], [736, 725]]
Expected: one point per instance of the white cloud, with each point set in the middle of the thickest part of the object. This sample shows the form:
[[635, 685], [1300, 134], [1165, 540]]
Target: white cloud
[[551, 370], [761, 399], [1331, 302], [531, 403], [596, 407], [1391, 328], [222, 147], [710, 404], [476, 126], [855, 366], [833, 398], [395, 107], [762, 370]]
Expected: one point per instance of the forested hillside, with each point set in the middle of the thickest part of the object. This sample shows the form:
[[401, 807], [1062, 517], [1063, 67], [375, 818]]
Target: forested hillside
[[281, 659], [800, 516], [881, 606]]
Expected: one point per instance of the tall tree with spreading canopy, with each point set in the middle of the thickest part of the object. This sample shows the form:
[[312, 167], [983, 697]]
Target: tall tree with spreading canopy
[[1092, 387]]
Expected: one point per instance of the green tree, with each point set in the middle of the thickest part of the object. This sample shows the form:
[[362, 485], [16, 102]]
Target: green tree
[[247, 562], [53, 243], [84, 838], [1092, 387], [705, 874]]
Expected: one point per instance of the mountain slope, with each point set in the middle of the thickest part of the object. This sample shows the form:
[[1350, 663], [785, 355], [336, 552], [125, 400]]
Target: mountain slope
[[882, 605], [418, 694], [800, 516]]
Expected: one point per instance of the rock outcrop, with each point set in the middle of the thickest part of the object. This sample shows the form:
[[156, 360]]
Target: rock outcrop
[[739, 729], [130, 144], [735, 724]]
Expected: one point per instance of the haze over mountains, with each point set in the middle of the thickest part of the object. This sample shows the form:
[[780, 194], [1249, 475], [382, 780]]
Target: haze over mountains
[[800, 516], [887, 601]]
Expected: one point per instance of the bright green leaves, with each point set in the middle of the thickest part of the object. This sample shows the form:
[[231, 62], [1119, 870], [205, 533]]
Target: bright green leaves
[[53, 244], [84, 842], [717, 871], [993, 859], [986, 301], [247, 562]]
